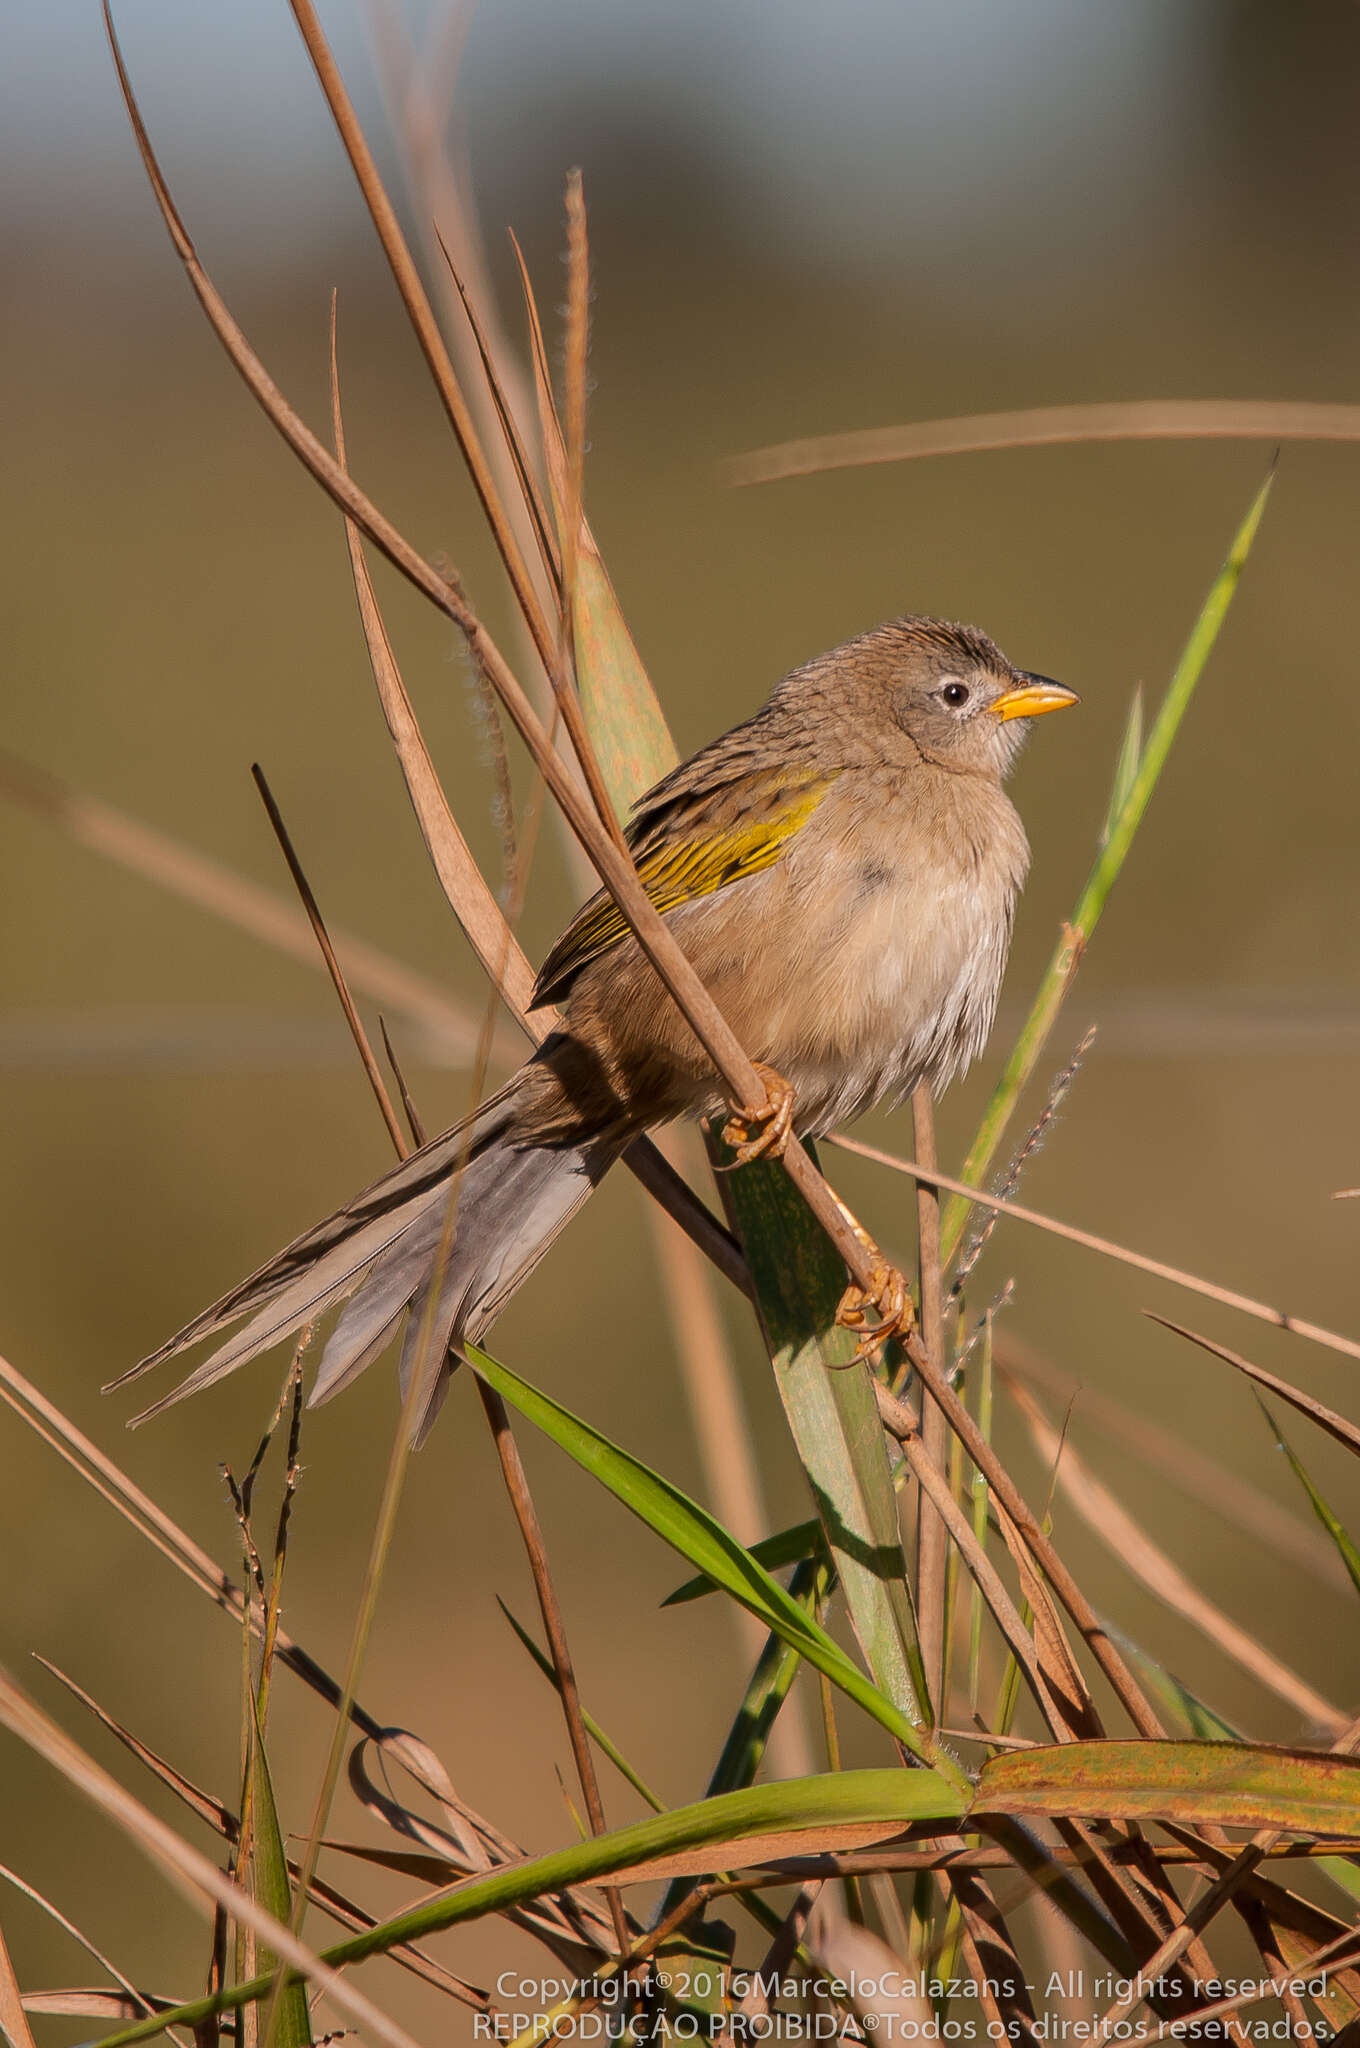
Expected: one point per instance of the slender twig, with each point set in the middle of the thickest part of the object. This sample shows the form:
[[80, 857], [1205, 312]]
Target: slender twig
[[550, 1608], [189, 1870], [412, 1115], [421, 315], [1159, 1270], [1150, 419], [932, 1544], [616, 870], [333, 968], [577, 345], [1126, 1687], [1198, 1915], [901, 1419]]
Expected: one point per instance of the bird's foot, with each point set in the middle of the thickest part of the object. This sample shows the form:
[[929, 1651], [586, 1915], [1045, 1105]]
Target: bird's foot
[[889, 1292], [761, 1132]]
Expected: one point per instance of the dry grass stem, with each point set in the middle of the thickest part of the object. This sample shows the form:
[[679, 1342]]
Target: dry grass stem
[[448, 1029], [1108, 1519], [1153, 419], [188, 1870], [932, 1545], [1261, 1310], [550, 1609], [333, 968]]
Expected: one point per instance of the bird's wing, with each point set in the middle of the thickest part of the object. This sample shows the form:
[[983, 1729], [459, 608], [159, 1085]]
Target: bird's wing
[[691, 856]]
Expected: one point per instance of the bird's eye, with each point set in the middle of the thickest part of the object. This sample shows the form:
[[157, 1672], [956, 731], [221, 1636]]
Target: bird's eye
[[955, 695]]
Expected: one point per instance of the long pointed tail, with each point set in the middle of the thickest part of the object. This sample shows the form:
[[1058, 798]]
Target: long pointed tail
[[449, 1235]]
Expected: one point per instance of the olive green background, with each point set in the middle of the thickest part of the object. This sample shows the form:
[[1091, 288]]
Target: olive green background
[[177, 1100]]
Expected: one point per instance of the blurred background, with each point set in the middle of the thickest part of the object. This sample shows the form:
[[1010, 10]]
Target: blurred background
[[802, 221]]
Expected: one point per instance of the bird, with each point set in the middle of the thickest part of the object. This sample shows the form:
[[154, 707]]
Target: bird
[[841, 868]]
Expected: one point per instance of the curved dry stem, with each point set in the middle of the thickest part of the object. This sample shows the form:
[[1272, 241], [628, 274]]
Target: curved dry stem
[[1146, 419], [613, 864]]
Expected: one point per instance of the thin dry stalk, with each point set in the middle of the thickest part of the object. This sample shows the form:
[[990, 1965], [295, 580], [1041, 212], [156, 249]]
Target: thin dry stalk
[[418, 90], [1107, 1518], [614, 867], [1198, 1915], [550, 1608], [1156, 419], [13, 2018], [903, 1423], [318, 924], [421, 314], [413, 1123], [448, 1027], [577, 346], [188, 1870], [1125, 1686], [1261, 1310], [932, 1543]]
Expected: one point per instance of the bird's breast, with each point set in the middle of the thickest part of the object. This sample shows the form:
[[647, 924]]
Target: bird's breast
[[898, 915]]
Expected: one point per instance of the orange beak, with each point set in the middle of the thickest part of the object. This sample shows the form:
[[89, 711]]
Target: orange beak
[[1032, 696]]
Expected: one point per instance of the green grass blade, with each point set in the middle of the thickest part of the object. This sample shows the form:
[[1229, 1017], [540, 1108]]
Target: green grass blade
[[291, 2026], [775, 1670], [1110, 860], [1346, 1549], [703, 1541], [834, 1420], [849, 1799], [798, 1279], [794, 1545], [1201, 1719], [1126, 767], [592, 1727]]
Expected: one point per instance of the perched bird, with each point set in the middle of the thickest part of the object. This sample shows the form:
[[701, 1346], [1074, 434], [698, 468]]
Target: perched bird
[[842, 870]]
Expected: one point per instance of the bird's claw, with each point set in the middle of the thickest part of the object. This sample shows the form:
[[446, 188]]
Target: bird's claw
[[761, 1132], [890, 1294]]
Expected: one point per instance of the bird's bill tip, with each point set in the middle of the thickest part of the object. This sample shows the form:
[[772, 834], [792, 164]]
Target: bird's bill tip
[[1032, 696]]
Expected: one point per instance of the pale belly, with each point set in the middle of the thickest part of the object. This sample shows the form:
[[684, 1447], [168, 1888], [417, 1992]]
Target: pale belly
[[880, 983]]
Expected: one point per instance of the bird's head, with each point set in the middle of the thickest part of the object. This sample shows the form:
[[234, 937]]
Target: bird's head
[[938, 689]]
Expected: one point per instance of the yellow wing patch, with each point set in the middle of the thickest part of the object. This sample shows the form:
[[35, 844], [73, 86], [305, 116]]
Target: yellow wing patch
[[678, 871]]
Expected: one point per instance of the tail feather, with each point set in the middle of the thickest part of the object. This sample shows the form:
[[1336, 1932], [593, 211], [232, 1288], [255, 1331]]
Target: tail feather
[[286, 1309], [385, 1292], [343, 1373], [512, 1206], [391, 1252], [419, 1174]]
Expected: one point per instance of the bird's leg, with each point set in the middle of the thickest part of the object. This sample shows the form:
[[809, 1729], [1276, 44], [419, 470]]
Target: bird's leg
[[772, 1120], [888, 1290]]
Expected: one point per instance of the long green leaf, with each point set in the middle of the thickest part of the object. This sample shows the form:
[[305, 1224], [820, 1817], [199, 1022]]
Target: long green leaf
[[1231, 1784], [698, 1537], [269, 1866], [794, 1545], [848, 1800], [834, 1420], [1126, 767], [1201, 1719], [1103, 876], [798, 1279], [1346, 1549], [592, 1727]]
